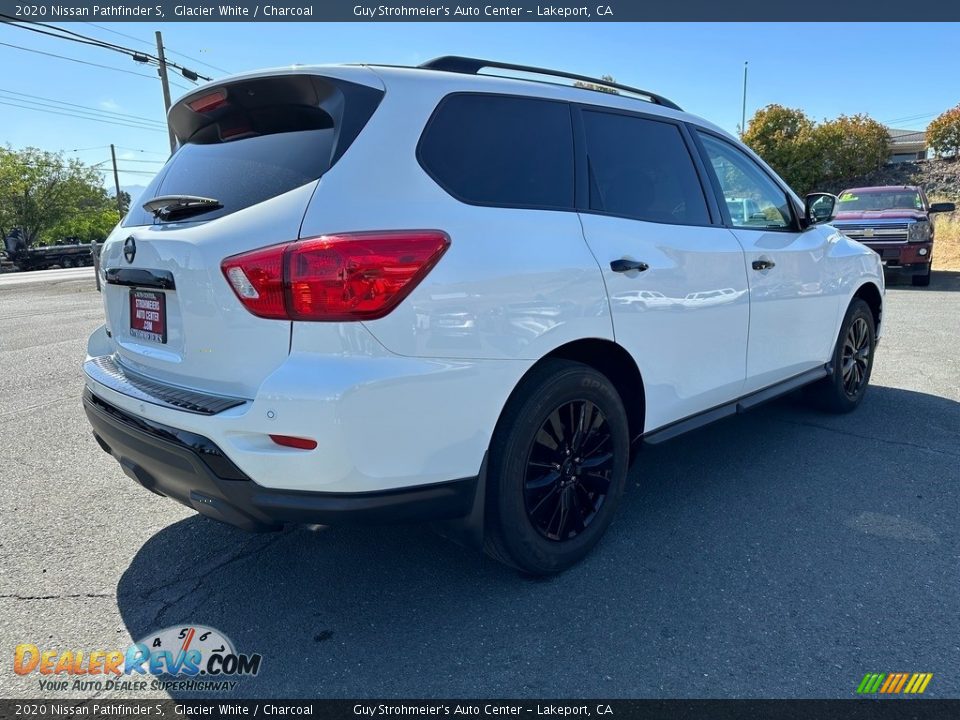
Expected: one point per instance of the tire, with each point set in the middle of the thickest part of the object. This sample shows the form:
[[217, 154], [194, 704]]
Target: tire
[[66, 262], [921, 280], [852, 362], [546, 507]]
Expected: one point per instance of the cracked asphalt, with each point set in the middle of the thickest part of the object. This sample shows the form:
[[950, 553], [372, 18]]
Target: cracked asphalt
[[784, 553]]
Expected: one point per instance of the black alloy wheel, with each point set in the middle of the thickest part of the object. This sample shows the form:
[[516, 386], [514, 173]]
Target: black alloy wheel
[[569, 470], [855, 357], [557, 467]]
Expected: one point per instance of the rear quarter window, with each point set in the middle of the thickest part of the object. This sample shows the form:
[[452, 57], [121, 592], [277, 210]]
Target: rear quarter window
[[501, 150]]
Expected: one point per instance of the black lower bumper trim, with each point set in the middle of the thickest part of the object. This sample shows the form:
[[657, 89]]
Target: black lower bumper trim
[[158, 458]]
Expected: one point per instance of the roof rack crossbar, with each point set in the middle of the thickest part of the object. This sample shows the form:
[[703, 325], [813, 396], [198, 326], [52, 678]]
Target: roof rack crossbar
[[472, 66]]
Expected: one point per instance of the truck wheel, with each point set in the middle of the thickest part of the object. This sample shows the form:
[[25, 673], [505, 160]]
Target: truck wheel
[[557, 468], [843, 389], [922, 280], [66, 262]]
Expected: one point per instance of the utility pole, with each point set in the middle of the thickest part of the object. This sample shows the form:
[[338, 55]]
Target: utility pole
[[743, 110], [116, 179], [162, 71]]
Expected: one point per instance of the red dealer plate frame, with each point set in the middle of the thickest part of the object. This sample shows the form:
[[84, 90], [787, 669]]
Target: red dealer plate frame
[[148, 315]]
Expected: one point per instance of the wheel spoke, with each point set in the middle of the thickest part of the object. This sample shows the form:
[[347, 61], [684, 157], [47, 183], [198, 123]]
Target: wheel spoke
[[595, 483], [543, 481], [594, 461]]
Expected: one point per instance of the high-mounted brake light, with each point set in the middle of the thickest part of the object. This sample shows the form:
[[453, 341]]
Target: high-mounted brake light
[[206, 103], [356, 276]]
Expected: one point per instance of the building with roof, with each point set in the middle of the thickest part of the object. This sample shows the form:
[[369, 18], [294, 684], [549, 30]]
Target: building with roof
[[907, 145]]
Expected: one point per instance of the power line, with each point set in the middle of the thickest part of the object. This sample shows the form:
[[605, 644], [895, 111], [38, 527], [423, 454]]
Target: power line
[[172, 52], [37, 105], [81, 117], [82, 62], [140, 150], [65, 34], [86, 108], [135, 160]]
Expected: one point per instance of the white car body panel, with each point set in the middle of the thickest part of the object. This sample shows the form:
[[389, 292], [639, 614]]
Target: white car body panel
[[704, 363], [413, 398]]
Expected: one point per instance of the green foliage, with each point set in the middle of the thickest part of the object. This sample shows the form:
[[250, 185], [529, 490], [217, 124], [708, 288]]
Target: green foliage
[[51, 197], [850, 146], [784, 137], [943, 133], [806, 154]]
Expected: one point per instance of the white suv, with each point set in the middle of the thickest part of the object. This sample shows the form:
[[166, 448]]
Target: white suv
[[389, 294]]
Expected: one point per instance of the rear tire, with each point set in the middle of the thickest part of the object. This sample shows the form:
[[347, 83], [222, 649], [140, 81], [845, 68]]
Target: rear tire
[[843, 390], [557, 468], [921, 280]]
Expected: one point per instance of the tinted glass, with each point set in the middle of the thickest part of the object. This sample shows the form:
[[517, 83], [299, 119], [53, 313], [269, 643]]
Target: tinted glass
[[642, 169], [753, 199], [496, 150], [857, 200], [240, 173]]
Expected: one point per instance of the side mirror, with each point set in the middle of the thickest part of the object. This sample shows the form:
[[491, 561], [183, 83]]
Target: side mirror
[[819, 208], [942, 207]]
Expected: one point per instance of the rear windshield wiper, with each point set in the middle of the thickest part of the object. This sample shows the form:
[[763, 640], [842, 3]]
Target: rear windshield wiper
[[171, 207]]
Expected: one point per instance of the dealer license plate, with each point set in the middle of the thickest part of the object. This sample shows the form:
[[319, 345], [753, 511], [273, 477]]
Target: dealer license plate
[[148, 315]]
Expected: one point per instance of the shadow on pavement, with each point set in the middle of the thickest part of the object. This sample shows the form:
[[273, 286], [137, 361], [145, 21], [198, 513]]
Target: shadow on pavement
[[940, 280], [781, 553]]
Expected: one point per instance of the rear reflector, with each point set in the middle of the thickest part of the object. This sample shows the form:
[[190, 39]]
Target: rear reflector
[[206, 103], [334, 278], [294, 442]]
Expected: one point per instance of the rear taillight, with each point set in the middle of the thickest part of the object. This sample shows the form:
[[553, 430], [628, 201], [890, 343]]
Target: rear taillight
[[361, 276]]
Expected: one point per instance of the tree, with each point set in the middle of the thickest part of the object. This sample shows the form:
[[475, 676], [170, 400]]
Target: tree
[[50, 197], [783, 137], [943, 134], [849, 146]]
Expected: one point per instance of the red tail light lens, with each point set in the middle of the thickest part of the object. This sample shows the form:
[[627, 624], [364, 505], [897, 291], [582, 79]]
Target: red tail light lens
[[360, 276], [294, 442], [206, 103]]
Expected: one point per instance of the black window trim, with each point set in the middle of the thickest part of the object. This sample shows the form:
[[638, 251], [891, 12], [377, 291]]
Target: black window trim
[[715, 219], [795, 213], [476, 203]]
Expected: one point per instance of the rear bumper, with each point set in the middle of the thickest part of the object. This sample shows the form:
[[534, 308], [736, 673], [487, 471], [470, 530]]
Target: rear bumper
[[192, 470]]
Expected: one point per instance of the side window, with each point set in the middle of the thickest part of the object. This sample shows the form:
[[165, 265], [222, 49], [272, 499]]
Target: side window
[[642, 169], [752, 198], [501, 150]]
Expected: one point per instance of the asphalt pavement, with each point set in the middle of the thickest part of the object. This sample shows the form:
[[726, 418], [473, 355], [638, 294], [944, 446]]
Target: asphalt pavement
[[783, 553]]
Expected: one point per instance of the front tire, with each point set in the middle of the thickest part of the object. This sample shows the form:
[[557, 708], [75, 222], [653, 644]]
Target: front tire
[[843, 390], [557, 470], [922, 280]]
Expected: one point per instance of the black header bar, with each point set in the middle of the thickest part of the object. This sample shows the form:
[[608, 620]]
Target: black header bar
[[498, 11]]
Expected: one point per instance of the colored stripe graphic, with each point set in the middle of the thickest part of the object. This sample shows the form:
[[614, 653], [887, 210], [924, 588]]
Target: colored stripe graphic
[[894, 683]]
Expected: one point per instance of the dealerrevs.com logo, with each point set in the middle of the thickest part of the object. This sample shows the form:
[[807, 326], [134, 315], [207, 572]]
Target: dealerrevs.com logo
[[176, 658]]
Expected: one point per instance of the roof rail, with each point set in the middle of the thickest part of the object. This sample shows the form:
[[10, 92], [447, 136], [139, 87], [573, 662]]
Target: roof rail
[[472, 66]]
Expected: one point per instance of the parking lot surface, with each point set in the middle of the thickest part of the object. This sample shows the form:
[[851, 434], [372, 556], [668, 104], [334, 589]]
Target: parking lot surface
[[783, 553]]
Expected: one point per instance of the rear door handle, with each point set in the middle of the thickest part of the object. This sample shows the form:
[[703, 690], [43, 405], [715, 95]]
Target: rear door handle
[[763, 264], [624, 265]]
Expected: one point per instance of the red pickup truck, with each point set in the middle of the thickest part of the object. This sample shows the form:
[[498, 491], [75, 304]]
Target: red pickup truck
[[894, 222]]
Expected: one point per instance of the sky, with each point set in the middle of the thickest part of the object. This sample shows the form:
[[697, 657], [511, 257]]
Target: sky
[[900, 74]]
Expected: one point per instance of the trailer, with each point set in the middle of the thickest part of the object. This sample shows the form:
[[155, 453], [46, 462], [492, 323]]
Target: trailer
[[70, 253]]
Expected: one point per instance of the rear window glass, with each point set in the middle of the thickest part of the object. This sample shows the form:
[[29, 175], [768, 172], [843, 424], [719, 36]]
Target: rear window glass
[[239, 172], [501, 150]]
